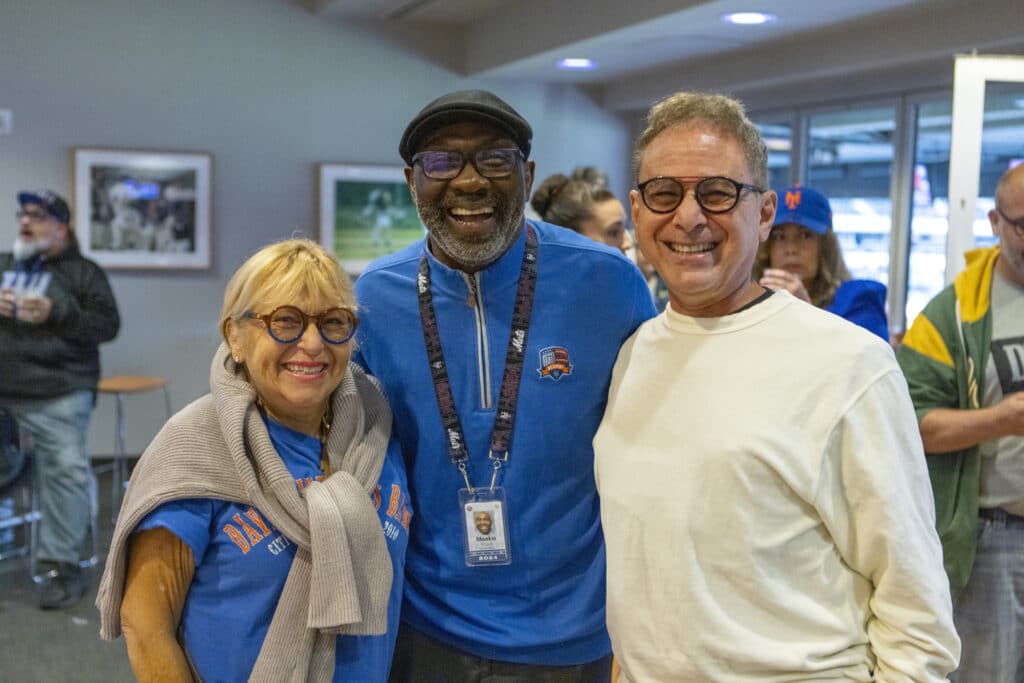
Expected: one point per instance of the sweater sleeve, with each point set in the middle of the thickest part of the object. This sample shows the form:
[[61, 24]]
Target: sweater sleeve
[[874, 496]]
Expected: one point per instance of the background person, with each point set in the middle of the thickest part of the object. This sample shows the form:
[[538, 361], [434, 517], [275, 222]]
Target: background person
[[56, 308], [964, 362], [593, 176], [575, 204], [757, 461], [520, 322], [802, 256], [252, 524]]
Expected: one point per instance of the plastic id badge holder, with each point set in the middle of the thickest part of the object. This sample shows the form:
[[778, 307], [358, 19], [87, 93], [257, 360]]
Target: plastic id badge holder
[[485, 526]]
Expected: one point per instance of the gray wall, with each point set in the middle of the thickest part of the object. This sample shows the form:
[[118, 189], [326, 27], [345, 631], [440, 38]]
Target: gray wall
[[266, 88]]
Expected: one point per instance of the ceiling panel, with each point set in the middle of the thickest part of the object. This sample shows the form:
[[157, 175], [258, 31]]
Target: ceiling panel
[[644, 48]]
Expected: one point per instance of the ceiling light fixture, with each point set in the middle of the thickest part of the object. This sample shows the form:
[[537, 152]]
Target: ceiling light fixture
[[748, 18], [577, 64]]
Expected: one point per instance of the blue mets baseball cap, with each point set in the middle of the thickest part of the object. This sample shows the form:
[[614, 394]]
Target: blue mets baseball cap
[[51, 202], [804, 206]]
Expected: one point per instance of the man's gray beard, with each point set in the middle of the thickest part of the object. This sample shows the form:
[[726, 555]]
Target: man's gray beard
[[471, 256], [25, 249]]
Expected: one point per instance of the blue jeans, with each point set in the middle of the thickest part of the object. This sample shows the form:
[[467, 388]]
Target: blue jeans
[[58, 427], [989, 614]]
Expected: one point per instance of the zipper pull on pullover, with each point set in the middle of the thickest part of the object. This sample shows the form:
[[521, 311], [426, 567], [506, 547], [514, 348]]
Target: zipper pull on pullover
[[471, 282]]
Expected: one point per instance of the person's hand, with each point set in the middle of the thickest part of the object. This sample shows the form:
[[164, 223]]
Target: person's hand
[[1011, 413], [7, 302], [34, 309], [775, 278]]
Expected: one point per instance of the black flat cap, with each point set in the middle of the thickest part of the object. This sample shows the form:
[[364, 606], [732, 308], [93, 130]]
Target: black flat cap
[[465, 105]]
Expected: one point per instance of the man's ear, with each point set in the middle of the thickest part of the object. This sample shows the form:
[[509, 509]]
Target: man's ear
[[993, 219], [411, 184], [634, 207], [528, 169], [769, 203]]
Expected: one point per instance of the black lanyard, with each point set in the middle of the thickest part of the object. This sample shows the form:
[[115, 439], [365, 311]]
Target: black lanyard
[[501, 434]]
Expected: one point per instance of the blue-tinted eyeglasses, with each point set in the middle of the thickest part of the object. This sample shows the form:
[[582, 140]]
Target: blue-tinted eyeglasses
[[287, 324], [489, 163]]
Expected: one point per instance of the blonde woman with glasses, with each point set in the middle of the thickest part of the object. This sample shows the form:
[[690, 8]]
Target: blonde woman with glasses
[[253, 543]]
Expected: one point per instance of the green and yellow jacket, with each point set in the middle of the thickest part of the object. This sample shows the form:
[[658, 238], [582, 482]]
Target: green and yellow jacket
[[943, 357]]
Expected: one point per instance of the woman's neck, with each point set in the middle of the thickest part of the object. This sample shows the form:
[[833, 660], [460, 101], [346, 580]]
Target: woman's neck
[[308, 423]]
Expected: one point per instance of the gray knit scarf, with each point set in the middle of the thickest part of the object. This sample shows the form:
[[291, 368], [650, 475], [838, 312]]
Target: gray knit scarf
[[218, 447]]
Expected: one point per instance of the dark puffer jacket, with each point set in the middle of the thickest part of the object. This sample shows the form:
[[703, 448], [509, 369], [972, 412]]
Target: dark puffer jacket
[[62, 354]]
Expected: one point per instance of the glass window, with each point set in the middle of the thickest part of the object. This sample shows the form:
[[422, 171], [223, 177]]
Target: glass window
[[929, 210], [1002, 147], [778, 138], [849, 160]]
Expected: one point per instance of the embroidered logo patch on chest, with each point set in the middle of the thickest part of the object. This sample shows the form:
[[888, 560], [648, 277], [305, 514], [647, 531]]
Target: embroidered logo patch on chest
[[554, 362]]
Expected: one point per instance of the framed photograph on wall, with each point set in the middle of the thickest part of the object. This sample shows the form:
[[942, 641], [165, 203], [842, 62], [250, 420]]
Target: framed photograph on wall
[[365, 212], [143, 208]]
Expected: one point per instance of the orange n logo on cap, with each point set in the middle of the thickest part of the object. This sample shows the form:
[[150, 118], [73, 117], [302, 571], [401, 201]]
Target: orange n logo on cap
[[792, 199]]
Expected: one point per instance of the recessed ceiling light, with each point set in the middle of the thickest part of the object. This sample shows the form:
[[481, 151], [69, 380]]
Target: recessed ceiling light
[[748, 18], [577, 64]]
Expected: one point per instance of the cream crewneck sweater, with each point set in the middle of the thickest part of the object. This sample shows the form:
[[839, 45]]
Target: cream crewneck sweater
[[766, 506]]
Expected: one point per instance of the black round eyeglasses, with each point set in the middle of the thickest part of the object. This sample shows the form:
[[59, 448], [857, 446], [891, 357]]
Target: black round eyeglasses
[[715, 194]]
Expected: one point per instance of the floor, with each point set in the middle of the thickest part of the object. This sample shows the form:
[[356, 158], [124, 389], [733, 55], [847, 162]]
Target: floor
[[62, 645]]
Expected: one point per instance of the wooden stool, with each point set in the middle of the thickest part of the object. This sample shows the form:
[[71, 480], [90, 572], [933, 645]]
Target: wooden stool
[[119, 386]]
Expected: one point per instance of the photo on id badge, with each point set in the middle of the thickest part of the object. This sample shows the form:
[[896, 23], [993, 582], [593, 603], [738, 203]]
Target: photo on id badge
[[485, 533]]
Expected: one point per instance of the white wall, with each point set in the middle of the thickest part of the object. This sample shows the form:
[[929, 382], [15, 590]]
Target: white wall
[[265, 87]]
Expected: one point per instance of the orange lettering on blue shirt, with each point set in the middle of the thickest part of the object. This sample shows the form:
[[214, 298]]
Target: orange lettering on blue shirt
[[396, 498], [236, 536], [303, 482], [398, 507], [252, 514], [254, 536]]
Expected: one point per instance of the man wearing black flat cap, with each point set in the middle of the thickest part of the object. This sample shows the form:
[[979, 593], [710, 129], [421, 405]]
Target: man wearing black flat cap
[[56, 307], [494, 338]]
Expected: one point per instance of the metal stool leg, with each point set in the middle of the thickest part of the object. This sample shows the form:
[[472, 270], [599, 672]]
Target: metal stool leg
[[33, 526], [167, 401], [94, 525], [120, 450], [119, 386]]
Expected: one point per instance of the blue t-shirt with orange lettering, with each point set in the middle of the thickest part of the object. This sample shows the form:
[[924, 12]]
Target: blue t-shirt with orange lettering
[[242, 562]]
